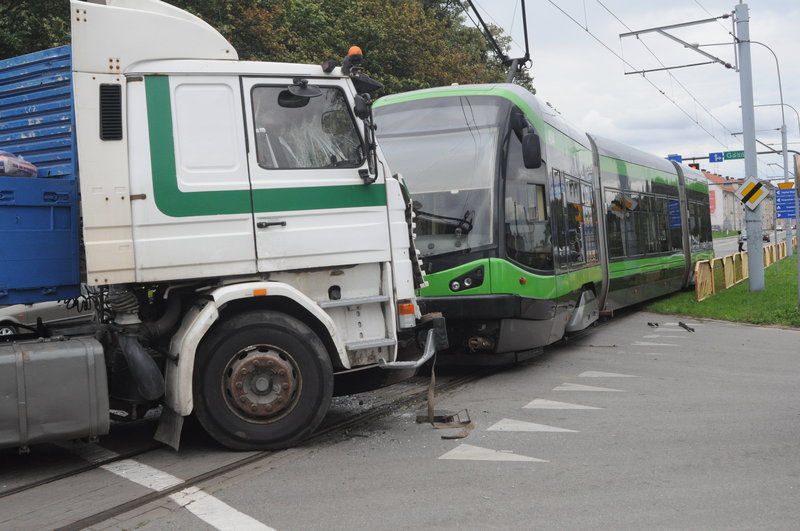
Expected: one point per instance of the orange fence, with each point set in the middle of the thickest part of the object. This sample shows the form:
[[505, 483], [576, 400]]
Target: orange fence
[[711, 276]]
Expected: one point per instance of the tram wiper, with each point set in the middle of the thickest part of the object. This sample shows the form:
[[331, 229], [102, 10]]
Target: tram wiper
[[461, 226]]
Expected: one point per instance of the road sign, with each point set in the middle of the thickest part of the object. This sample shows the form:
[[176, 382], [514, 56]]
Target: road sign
[[751, 193], [784, 186], [784, 203], [715, 157], [676, 158], [733, 155]]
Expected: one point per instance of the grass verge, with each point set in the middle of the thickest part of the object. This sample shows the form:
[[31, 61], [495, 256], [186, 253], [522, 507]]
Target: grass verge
[[723, 234], [776, 305]]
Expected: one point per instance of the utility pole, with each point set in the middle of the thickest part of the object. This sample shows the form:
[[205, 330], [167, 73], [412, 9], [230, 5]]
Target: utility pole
[[752, 217]]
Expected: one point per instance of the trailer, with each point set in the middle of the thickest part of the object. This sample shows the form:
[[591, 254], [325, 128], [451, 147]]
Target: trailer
[[234, 223]]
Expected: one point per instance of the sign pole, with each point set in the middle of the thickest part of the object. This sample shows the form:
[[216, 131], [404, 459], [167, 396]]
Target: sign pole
[[755, 253]]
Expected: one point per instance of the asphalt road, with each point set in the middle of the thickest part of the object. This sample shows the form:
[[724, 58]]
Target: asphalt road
[[631, 427]]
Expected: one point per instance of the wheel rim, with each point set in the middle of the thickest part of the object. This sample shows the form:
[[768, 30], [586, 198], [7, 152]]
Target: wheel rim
[[261, 383], [6, 331]]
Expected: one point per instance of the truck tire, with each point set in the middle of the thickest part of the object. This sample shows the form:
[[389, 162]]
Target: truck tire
[[7, 329], [262, 380]]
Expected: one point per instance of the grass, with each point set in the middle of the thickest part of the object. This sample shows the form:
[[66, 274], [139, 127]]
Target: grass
[[776, 305], [723, 234]]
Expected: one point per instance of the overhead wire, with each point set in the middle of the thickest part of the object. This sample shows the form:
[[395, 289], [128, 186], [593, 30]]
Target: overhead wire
[[626, 62]]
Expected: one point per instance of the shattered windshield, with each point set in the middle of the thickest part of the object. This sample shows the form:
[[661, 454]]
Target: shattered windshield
[[315, 132], [446, 149]]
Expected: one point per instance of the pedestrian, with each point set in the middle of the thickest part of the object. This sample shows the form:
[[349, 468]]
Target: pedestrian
[[740, 241]]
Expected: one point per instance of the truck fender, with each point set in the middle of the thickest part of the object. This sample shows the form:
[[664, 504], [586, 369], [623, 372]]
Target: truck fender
[[199, 319]]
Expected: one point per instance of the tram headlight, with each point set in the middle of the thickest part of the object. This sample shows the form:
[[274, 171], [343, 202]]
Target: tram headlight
[[471, 279]]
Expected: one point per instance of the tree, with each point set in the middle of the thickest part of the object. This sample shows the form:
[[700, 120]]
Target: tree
[[407, 44]]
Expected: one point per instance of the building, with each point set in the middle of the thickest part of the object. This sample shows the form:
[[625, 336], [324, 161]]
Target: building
[[727, 212]]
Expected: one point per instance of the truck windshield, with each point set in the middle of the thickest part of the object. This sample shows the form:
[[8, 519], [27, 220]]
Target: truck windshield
[[446, 149], [314, 132]]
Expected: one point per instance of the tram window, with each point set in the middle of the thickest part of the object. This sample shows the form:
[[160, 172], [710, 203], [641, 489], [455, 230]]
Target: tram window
[[589, 224], [675, 226], [574, 224], [527, 228], [615, 215], [662, 225]]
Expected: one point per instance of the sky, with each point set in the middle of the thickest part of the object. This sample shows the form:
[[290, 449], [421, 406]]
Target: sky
[[688, 111]]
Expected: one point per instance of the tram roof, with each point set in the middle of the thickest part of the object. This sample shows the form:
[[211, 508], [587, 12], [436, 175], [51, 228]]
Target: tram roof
[[617, 150]]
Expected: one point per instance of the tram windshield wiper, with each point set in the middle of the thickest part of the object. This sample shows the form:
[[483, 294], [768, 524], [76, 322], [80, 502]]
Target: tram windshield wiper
[[460, 226]]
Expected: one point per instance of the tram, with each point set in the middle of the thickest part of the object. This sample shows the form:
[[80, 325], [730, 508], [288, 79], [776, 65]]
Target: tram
[[529, 229]]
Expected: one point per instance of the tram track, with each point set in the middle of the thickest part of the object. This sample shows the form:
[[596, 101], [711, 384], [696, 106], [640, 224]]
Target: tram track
[[393, 398]]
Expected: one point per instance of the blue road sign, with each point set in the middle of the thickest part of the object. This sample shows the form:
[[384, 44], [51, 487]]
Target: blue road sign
[[676, 158], [784, 203], [715, 157]]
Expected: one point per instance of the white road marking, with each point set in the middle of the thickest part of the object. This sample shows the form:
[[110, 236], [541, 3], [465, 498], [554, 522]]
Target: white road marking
[[598, 374], [211, 510], [690, 324], [144, 475], [670, 336], [519, 425], [579, 387], [648, 344], [467, 452], [216, 512], [541, 403]]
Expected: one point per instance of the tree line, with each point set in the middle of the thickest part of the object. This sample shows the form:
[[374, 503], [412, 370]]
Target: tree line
[[407, 44]]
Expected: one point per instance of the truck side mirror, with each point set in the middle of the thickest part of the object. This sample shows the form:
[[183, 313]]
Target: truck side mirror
[[531, 151], [362, 107]]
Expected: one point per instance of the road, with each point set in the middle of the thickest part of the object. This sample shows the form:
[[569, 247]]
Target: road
[[632, 426], [726, 246]]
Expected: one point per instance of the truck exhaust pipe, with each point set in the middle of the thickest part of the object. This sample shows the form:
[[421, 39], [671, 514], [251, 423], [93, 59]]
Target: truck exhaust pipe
[[145, 372]]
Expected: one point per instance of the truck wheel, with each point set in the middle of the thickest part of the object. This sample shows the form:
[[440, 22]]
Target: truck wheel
[[262, 380], [7, 329]]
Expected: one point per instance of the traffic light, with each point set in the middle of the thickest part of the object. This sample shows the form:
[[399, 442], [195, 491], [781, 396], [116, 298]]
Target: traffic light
[[695, 165]]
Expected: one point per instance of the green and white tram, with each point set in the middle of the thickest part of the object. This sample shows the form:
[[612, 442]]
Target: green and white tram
[[529, 229]]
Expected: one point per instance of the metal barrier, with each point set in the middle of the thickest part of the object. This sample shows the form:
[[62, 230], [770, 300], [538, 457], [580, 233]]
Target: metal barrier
[[703, 280], [717, 274]]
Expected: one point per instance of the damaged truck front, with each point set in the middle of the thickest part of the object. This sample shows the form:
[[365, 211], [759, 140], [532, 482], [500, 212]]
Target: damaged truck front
[[234, 223]]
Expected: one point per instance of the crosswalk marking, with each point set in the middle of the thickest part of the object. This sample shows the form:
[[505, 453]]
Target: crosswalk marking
[[579, 387], [541, 403], [520, 425], [467, 452]]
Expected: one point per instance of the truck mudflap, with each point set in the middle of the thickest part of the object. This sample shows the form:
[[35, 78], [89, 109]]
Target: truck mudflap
[[435, 340]]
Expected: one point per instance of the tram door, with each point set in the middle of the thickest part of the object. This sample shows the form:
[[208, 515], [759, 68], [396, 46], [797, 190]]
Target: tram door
[[573, 222]]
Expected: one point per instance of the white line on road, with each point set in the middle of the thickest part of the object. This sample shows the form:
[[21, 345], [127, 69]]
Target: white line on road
[[579, 387], [671, 336], [541, 403], [467, 452], [519, 425], [211, 510], [598, 374]]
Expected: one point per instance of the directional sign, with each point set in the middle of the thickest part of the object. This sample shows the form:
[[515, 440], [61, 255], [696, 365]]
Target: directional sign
[[715, 157], [784, 203], [676, 158], [733, 155], [751, 193]]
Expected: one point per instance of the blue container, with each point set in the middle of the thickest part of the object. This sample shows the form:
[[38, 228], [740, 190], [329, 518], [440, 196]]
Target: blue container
[[39, 217]]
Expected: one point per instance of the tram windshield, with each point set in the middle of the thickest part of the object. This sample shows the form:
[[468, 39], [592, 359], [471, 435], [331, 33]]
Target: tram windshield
[[446, 149]]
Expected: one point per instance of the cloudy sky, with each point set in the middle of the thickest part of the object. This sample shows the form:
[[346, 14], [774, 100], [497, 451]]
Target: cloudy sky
[[689, 111]]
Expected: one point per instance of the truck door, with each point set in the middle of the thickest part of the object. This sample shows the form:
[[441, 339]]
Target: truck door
[[190, 189], [311, 208]]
